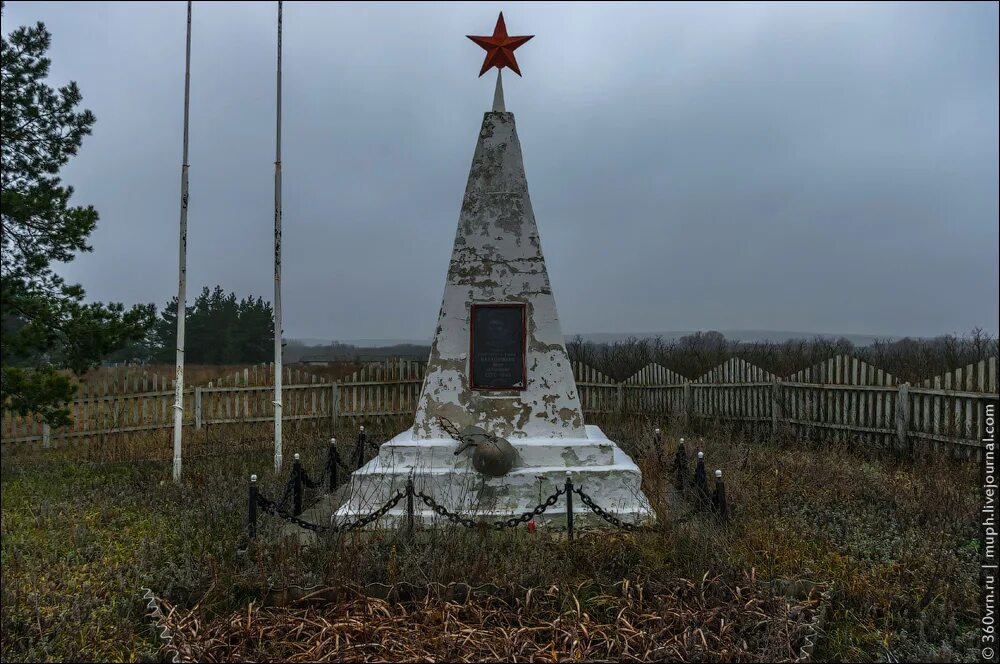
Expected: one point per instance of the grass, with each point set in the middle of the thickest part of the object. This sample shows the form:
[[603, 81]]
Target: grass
[[898, 541]]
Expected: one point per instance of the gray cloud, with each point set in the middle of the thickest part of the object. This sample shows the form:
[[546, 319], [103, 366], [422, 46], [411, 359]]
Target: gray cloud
[[830, 168]]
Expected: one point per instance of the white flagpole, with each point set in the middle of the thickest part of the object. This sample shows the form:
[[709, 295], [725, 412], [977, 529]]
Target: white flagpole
[[182, 272], [277, 267]]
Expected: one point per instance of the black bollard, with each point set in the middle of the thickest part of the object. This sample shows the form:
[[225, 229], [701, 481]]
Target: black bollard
[[252, 509], [409, 507], [332, 460], [658, 445], [719, 499], [569, 506], [359, 450], [680, 465], [296, 487], [701, 482]]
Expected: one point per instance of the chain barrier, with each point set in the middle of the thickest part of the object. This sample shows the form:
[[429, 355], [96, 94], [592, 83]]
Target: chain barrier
[[512, 522], [287, 493], [308, 481], [278, 509], [601, 512], [275, 509]]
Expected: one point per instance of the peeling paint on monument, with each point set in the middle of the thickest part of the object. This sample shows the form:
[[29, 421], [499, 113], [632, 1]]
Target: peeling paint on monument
[[497, 257]]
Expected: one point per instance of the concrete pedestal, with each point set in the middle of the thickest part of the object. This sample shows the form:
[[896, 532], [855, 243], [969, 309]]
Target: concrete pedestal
[[596, 464]]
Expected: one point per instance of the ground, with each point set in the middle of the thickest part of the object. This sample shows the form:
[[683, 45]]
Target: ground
[[895, 541]]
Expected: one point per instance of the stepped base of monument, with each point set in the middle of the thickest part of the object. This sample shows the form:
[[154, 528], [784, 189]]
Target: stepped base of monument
[[595, 464]]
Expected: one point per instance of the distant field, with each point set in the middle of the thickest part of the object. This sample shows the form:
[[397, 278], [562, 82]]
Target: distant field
[[896, 542]]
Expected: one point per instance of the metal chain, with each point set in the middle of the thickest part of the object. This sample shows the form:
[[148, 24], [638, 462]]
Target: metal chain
[[287, 493], [365, 520], [607, 516], [439, 509], [269, 506], [308, 481], [496, 525]]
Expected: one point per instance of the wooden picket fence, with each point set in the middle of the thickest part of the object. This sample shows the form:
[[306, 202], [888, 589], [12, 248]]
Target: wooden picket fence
[[842, 398]]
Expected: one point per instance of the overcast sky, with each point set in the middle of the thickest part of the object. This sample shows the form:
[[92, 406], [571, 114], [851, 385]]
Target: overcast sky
[[821, 168]]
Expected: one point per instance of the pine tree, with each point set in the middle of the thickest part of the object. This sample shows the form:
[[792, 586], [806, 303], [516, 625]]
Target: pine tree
[[220, 330], [46, 326]]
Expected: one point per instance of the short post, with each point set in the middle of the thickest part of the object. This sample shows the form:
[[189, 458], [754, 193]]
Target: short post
[[409, 507], [359, 450], [719, 499], [296, 487], [252, 509], [658, 444], [701, 481], [333, 464], [680, 465], [569, 506]]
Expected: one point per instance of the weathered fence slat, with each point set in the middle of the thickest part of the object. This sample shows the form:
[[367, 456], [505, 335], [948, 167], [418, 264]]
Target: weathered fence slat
[[842, 398]]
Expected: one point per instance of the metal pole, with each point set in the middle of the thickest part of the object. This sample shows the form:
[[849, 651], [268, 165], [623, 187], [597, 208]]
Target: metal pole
[[359, 450], [277, 266], [182, 267], [569, 506]]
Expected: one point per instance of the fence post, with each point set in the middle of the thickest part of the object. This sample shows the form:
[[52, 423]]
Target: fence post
[[46, 435], [409, 506], [252, 508], [775, 406], [197, 408], [719, 499], [359, 451], [569, 506], [621, 398], [334, 458], [902, 417], [334, 405], [296, 487], [688, 405]]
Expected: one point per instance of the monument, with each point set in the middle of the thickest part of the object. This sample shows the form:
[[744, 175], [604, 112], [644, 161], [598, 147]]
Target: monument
[[499, 423]]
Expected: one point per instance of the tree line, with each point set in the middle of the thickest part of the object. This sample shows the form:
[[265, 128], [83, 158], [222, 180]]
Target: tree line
[[219, 329]]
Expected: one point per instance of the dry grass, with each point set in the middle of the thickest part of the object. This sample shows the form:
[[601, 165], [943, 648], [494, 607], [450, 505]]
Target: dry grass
[[684, 621], [897, 541]]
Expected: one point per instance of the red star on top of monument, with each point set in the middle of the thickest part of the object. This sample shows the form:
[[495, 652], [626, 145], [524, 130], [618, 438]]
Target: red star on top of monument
[[500, 48]]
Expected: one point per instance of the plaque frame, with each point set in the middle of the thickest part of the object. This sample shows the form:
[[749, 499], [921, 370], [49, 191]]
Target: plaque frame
[[523, 306]]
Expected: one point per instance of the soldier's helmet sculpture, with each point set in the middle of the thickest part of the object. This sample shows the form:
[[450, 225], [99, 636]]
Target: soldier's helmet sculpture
[[491, 455]]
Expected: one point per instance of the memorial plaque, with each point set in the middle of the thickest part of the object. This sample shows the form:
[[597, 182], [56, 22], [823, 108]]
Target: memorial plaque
[[498, 347]]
